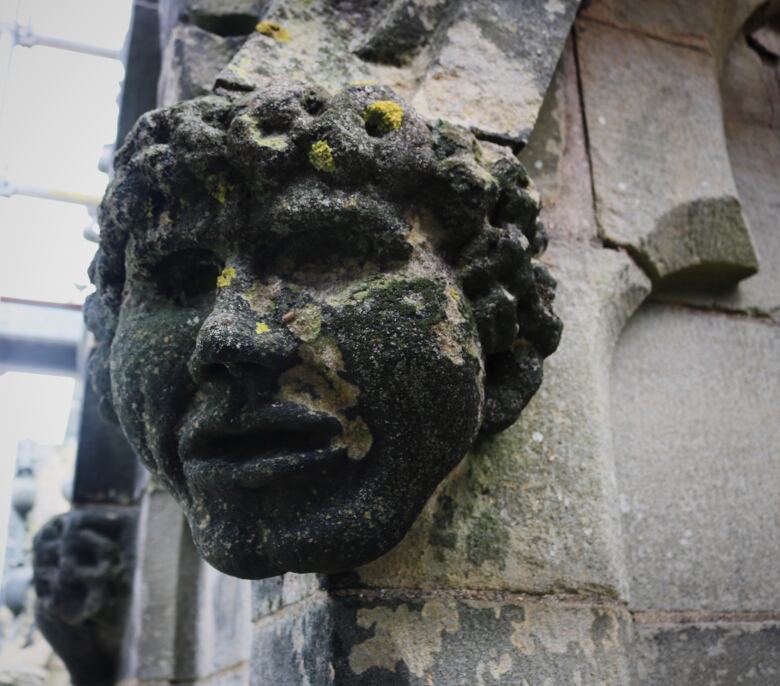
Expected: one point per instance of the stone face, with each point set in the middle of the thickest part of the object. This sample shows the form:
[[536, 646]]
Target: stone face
[[83, 562], [534, 508], [343, 262], [661, 171], [694, 408], [443, 640], [426, 50], [708, 654]]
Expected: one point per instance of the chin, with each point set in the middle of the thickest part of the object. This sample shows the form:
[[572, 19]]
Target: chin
[[243, 547]]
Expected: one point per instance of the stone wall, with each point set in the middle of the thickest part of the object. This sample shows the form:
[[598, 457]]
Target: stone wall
[[624, 530]]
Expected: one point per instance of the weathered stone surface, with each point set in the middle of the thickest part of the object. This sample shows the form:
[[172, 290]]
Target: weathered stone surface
[[751, 101], [191, 60], [446, 640], [499, 57], [424, 50], [188, 621], [661, 171], [293, 647], [150, 645], [708, 25], [534, 509], [142, 68], [716, 653], [276, 592], [107, 470], [226, 17], [694, 414], [557, 157]]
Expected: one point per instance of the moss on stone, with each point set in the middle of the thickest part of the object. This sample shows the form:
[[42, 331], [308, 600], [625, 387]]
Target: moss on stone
[[218, 188]]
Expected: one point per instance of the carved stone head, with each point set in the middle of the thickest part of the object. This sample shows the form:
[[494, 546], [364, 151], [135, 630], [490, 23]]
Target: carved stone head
[[307, 309]]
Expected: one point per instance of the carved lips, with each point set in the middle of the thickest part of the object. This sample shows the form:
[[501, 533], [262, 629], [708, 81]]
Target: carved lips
[[277, 440]]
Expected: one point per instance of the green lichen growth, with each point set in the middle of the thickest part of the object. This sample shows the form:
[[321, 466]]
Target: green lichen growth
[[218, 188], [321, 157], [226, 277], [383, 116], [306, 323], [278, 142]]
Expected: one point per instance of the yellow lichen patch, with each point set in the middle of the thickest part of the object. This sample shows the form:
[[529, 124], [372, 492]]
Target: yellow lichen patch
[[321, 157], [261, 327], [384, 116], [218, 188], [274, 30], [226, 277]]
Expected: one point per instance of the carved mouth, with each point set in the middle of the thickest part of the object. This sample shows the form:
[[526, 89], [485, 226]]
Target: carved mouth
[[278, 440]]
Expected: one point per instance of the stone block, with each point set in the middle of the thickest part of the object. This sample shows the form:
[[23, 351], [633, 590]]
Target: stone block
[[661, 171], [276, 592], [694, 414], [557, 158], [293, 646], [150, 645], [188, 622], [716, 653], [751, 97], [142, 68], [447, 640], [191, 60], [499, 57], [534, 508], [107, 470], [226, 17], [517, 44], [708, 25]]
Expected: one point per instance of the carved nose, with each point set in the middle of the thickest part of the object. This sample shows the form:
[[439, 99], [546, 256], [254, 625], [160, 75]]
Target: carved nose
[[233, 341]]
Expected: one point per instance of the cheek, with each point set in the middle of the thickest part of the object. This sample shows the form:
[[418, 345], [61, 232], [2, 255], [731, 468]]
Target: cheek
[[416, 362], [150, 381]]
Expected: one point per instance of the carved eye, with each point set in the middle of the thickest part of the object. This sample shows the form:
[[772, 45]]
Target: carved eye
[[188, 278]]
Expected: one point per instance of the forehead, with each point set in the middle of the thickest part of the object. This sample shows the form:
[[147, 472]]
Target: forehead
[[306, 214]]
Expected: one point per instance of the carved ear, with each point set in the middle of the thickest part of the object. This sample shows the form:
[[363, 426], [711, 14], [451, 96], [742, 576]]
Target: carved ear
[[99, 321], [511, 379], [513, 376]]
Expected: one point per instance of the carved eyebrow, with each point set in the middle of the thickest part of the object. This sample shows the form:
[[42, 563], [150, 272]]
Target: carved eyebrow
[[322, 214]]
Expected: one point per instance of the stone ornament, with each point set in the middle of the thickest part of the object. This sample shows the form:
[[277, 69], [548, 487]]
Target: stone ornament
[[82, 572], [307, 309]]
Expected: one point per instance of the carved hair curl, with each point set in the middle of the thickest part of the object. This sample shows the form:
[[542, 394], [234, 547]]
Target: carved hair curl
[[251, 145]]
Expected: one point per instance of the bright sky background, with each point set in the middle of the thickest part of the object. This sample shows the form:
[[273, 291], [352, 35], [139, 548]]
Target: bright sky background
[[58, 109]]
